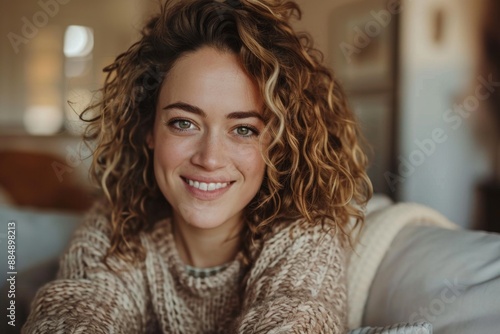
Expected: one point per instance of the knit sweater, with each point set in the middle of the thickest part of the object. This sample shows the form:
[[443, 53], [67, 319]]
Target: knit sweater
[[295, 285]]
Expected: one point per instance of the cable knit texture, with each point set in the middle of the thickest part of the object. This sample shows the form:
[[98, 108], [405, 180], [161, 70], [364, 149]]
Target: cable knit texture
[[296, 285]]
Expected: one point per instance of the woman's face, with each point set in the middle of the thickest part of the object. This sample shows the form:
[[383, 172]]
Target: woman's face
[[207, 157]]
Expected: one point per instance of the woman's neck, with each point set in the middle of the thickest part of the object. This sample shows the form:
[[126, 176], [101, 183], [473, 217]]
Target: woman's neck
[[207, 248]]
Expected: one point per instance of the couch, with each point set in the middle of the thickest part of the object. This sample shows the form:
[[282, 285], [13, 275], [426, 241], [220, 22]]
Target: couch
[[425, 270]]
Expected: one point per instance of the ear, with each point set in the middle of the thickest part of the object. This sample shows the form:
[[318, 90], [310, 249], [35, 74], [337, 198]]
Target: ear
[[150, 140]]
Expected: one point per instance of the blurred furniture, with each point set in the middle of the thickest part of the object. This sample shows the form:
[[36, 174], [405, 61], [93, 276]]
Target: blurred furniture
[[487, 211], [41, 180], [41, 237], [448, 277], [487, 201]]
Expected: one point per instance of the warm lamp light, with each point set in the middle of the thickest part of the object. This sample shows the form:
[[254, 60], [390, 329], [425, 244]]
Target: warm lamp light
[[78, 41], [43, 120]]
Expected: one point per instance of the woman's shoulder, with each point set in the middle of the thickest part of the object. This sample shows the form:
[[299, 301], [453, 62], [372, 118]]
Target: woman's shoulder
[[295, 243], [96, 219], [288, 231], [297, 235]]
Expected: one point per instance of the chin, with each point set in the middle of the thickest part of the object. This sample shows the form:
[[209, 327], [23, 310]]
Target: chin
[[203, 222]]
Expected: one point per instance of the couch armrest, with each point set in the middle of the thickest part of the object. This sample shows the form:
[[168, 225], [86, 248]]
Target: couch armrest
[[450, 278], [373, 241]]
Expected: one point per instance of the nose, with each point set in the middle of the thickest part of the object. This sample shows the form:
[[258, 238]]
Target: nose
[[211, 153]]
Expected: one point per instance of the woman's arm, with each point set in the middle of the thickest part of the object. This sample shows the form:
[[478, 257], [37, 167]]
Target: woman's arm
[[87, 297], [297, 286]]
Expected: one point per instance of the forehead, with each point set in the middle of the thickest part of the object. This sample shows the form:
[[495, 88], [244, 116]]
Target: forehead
[[212, 80]]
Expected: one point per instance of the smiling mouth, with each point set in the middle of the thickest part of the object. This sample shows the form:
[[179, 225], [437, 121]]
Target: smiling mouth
[[212, 186]]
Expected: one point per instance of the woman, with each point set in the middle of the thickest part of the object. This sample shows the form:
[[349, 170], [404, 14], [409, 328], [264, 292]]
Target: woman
[[230, 166]]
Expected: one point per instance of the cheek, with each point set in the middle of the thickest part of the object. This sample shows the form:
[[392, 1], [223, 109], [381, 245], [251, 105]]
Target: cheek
[[169, 155], [252, 163]]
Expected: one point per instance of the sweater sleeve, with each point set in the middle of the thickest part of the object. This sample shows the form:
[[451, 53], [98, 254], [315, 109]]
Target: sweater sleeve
[[87, 297], [297, 286]]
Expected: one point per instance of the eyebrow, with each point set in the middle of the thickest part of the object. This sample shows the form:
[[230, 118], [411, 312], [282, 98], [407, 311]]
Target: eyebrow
[[198, 111]]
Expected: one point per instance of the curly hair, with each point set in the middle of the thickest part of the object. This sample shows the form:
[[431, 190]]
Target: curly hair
[[315, 164]]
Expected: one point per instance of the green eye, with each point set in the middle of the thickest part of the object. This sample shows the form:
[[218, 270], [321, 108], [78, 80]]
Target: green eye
[[243, 131], [184, 124]]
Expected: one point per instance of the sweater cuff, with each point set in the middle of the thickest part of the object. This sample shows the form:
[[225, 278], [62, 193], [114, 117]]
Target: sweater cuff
[[289, 315]]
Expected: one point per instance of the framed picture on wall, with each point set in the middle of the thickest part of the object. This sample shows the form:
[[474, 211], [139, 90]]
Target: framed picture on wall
[[364, 57], [361, 44]]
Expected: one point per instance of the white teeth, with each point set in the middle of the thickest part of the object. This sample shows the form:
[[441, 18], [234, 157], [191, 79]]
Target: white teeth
[[206, 186]]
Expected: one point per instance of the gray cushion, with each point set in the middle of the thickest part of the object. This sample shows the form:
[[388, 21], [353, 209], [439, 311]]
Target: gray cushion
[[40, 235], [450, 278], [402, 328]]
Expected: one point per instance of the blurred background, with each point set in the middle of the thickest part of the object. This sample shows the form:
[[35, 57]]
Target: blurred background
[[422, 77]]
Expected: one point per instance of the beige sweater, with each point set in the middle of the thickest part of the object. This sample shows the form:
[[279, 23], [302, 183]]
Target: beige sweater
[[294, 286]]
